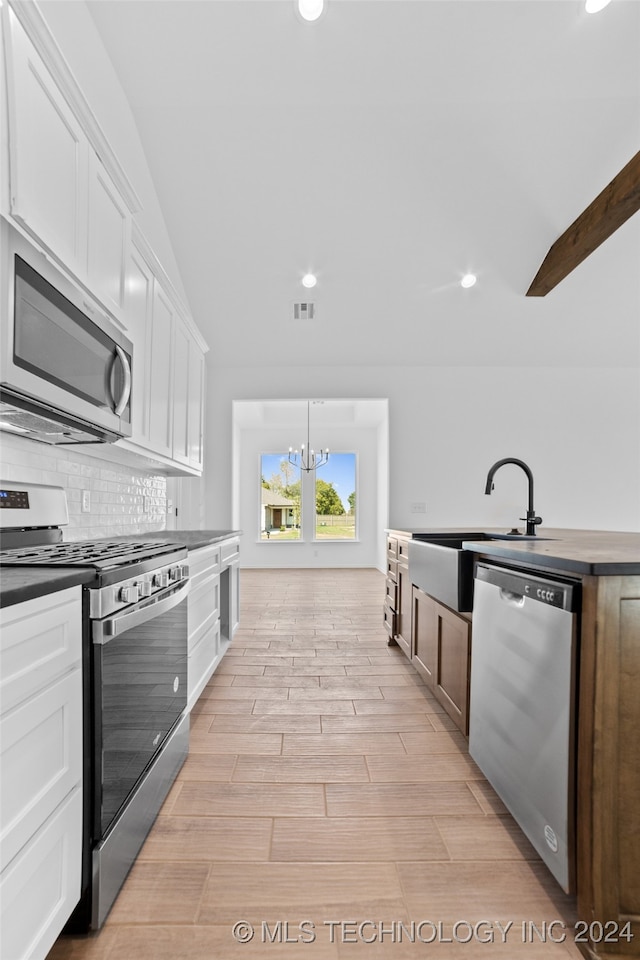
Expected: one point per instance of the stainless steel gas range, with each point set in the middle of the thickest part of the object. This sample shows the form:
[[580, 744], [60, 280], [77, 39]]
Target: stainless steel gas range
[[135, 725]]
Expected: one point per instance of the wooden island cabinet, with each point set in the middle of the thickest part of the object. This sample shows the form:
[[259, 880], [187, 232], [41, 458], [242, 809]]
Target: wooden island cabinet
[[608, 771], [397, 605], [434, 638], [441, 653], [438, 640]]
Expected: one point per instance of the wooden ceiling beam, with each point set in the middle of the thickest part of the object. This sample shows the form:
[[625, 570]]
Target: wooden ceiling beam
[[618, 201]]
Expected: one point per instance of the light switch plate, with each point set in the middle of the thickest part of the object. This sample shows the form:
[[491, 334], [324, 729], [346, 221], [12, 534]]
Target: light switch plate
[[86, 501]]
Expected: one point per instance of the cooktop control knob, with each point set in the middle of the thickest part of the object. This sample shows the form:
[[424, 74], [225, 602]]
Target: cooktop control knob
[[145, 588], [161, 580], [130, 594], [179, 572]]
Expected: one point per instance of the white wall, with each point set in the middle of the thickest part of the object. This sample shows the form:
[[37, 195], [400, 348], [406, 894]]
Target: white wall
[[578, 429]]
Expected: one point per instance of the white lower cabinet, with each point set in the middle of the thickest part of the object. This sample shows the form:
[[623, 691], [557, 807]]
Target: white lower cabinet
[[41, 886], [40, 771], [203, 618], [229, 589], [213, 610], [203, 660]]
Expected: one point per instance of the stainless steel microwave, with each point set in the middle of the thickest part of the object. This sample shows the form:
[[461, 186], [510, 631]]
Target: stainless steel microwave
[[65, 367]]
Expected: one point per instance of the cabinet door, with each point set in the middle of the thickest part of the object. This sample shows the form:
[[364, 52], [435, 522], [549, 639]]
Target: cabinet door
[[202, 662], [48, 156], [40, 760], [40, 639], [180, 391], [108, 238], [425, 636], [454, 655], [195, 416], [161, 374], [138, 309], [41, 886], [403, 619]]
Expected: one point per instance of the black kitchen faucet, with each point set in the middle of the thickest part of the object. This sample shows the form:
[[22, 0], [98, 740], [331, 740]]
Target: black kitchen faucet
[[531, 519]]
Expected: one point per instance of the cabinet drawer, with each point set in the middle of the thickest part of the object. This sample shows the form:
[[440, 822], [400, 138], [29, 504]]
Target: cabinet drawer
[[203, 561], [389, 619], [40, 760], [403, 552], [391, 593], [392, 570], [41, 887], [39, 640], [392, 548], [230, 551]]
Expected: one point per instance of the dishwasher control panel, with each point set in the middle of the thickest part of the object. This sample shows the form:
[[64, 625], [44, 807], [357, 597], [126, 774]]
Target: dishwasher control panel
[[555, 593]]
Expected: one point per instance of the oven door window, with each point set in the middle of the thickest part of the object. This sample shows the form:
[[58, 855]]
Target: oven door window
[[140, 692]]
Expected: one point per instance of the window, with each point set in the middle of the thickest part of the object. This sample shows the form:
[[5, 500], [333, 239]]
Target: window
[[285, 489], [335, 498], [281, 498]]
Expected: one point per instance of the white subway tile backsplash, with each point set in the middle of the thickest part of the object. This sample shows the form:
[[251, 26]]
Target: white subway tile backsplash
[[118, 495]]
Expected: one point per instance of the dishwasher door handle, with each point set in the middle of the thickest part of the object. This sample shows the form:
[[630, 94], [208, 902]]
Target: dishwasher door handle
[[515, 599]]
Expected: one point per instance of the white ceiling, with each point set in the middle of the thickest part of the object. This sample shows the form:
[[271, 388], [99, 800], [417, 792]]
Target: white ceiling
[[390, 147]]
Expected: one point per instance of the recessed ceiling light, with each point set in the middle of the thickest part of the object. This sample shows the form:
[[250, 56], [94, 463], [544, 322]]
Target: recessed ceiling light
[[310, 9], [309, 280], [468, 280], [594, 6]]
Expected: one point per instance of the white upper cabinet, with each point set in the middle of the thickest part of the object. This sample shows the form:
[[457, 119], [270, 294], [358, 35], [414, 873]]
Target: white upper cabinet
[[66, 187], [48, 155], [109, 227], [181, 347], [60, 190], [161, 374], [168, 367], [138, 305], [188, 401], [195, 422], [175, 387]]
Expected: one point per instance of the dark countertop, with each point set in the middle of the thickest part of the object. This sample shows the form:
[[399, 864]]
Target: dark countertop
[[26, 583], [599, 553], [192, 539]]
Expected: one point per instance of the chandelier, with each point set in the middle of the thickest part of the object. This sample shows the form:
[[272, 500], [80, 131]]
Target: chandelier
[[306, 458]]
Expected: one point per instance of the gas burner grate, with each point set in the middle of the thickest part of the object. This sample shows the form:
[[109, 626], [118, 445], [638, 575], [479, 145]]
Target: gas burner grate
[[96, 553]]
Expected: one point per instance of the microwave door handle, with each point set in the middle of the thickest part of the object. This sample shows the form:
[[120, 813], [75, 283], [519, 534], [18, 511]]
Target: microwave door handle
[[126, 389], [105, 630]]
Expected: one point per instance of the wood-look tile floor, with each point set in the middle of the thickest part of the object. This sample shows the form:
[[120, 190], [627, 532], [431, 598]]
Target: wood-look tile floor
[[330, 802]]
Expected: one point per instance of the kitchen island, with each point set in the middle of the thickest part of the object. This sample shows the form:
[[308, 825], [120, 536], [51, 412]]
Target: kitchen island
[[607, 565]]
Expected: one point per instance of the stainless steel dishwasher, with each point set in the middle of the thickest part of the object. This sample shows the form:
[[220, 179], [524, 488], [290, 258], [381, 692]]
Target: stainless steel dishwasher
[[523, 704]]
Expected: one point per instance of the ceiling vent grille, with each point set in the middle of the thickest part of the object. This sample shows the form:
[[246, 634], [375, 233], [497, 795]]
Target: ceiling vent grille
[[304, 311]]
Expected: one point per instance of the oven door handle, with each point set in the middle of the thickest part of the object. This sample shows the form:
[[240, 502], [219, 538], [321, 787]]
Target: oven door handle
[[105, 630]]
